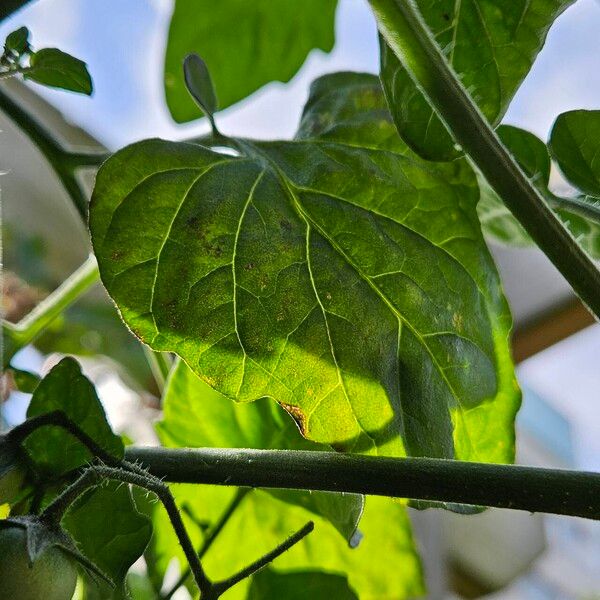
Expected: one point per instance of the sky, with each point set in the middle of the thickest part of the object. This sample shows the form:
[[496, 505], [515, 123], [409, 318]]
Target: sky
[[123, 44]]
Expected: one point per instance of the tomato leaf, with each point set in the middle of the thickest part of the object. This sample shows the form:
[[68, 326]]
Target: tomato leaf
[[110, 532], [65, 388], [197, 416], [17, 42], [491, 45], [575, 143], [268, 584], [56, 68], [350, 284], [238, 40]]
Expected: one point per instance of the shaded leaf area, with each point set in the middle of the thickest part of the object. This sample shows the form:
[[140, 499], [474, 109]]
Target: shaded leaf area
[[195, 415], [349, 283], [491, 44], [54, 451], [268, 584], [111, 532], [238, 40], [532, 155]]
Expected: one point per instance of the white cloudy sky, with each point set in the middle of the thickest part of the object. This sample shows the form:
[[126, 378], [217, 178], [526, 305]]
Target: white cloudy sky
[[123, 43]]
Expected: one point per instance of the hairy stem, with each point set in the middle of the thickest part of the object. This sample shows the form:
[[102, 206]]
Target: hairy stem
[[408, 36], [25, 331], [55, 511], [210, 538], [220, 587], [58, 418], [502, 486]]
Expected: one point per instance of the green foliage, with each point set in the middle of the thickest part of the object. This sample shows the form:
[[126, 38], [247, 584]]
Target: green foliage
[[199, 84], [575, 143], [65, 388], [55, 68], [350, 284], [245, 45], [110, 532], [531, 153], [48, 66], [491, 44], [197, 416], [268, 584]]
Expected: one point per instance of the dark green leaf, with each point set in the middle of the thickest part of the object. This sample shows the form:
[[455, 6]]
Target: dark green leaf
[[245, 45], [109, 531], [55, 68], [199, 84], [197, 416], [65, 388], [25, 381], [12, 471], [352, 285], [491, 44], [17, 42], [575, 145], [268, 584]]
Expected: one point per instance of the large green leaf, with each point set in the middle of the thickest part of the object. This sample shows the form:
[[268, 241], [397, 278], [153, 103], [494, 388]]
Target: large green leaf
[[110, 532], [65, 388], [197, 416], [532, 154], [245, 45], [575, 144], [350, 284], [491, 44]]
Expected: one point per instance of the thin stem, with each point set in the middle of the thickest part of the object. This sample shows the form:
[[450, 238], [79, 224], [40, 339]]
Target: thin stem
[[55, 511], [588, 209], [408, 36], [503, 486], [58, 418], [210, 538], [63, 162], [220, 587], [160, 364], [24, 332]]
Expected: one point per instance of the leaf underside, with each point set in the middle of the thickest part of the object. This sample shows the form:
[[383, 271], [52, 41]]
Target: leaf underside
[[349, 283]]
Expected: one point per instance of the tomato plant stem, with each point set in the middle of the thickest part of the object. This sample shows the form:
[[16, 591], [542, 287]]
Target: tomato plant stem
[[407, 34], [503, 486], [25, 331]]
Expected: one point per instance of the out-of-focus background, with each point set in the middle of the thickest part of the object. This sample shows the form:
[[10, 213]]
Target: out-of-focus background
[[499, 554]]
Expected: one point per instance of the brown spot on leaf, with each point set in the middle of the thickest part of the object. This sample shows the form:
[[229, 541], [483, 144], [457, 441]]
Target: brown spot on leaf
[[249, 266], [296, 414]]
